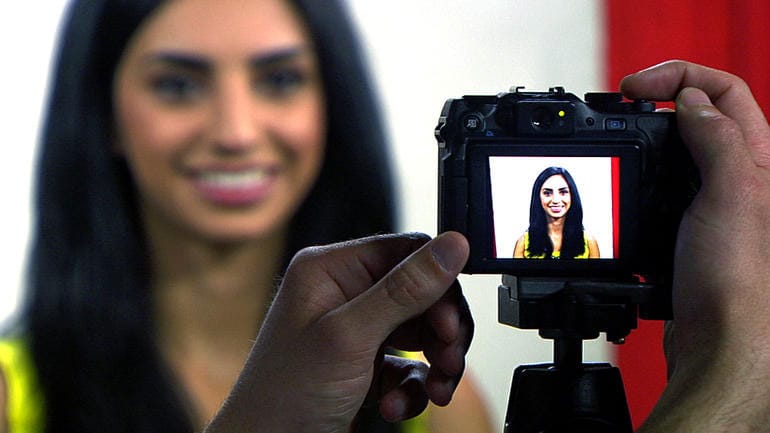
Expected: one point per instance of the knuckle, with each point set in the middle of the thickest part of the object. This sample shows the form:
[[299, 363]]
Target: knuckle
[[405, 286], [308, 256], [739, 83]]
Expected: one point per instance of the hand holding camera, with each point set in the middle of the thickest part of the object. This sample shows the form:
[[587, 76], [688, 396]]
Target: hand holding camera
[[716, 347], [719, 361]]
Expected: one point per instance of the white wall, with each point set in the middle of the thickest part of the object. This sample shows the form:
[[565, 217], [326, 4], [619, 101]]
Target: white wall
[[422, 52], [27, 33], [425, 51]]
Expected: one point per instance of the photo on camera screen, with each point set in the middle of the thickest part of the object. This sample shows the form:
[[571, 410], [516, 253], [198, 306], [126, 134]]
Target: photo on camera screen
[[597, 184]]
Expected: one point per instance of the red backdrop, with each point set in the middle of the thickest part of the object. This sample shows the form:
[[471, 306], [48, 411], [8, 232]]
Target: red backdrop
[[725, 34]]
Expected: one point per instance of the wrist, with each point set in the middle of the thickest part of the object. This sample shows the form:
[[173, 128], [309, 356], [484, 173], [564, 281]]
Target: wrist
[[722, 393]]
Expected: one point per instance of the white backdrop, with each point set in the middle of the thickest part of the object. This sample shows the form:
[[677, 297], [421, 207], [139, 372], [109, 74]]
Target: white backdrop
[[425, 51], [421, 52], [27, 33]]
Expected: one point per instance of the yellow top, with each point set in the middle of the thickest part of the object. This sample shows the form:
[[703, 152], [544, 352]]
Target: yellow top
[[417, 424], [555, 254], [25, 408]]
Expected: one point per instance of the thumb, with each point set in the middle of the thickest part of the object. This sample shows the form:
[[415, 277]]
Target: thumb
[[409, 289], [714, 139]]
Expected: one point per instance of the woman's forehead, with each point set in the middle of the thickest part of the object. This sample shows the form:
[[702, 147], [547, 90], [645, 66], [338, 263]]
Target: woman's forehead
[[555, 182], [222, 27]]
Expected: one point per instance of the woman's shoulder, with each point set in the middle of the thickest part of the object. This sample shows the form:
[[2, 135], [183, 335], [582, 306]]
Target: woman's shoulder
[[15, 354], [588, 238], [20, 395]]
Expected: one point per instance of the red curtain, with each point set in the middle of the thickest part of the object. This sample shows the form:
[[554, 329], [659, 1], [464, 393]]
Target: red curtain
[[725, 34]]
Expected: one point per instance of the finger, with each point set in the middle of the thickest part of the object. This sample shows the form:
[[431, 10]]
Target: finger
[[715, 140], [447, 361], [325, 277], [444, 350], [447, 316], [726, 91], [408, 290], [446, 354], [441, 323], [403, 388], [664, 81], [441, 387], [373, 258]]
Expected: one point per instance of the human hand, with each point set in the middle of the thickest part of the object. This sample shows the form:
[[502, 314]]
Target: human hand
[[717, 345], [319, 354]]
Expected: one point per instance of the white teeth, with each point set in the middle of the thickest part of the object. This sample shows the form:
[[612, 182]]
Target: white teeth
[[234, 179]]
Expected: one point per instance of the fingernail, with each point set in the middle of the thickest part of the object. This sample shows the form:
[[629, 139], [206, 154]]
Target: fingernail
[[448, 253]]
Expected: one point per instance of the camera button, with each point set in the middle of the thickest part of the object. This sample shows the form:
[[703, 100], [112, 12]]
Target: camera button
[[473, 122], [615, 124]]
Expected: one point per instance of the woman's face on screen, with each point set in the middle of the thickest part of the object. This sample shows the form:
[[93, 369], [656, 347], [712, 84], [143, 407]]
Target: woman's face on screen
[[219, 114], [555, 196]]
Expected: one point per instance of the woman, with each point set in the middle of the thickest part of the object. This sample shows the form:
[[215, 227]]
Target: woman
[[184, 159], [555, 220]]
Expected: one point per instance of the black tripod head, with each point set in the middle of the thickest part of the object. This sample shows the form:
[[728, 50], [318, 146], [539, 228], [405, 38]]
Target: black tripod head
[[569, 396], [579, 308]]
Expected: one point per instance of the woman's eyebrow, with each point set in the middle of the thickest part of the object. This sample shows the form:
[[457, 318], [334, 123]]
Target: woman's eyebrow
[[201, 63], [180, 59], [278, 56]]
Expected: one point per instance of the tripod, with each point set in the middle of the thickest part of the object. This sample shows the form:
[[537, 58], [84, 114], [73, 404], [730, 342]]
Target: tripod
[[569, 396]]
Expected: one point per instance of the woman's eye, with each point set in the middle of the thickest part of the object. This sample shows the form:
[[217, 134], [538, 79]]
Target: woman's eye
[[280, 82], [177, 89]]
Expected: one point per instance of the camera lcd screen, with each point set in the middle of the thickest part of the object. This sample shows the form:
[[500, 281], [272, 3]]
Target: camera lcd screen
[[548, 210], [593, 195]]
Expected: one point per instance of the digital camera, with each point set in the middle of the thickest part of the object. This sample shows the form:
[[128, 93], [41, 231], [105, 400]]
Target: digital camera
[[612, 217]]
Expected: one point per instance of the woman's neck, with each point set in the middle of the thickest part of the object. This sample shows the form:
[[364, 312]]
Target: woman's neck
[[555, 226], [213, 292], [209, 302]]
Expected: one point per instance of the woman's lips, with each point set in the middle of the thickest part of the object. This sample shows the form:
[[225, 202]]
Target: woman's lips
[[235, 187]]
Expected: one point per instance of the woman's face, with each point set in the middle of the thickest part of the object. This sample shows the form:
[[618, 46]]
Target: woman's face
[[555, 196], [220, 115]]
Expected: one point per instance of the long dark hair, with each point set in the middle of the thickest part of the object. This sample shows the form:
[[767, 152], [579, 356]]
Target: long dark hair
[[88, 307], [573, 243]]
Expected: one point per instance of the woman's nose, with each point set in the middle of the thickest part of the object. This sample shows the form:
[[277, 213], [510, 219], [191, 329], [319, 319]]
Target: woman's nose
[[236, 123]]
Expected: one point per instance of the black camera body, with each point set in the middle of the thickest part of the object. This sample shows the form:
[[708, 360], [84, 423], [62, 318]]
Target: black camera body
[[633, 179]]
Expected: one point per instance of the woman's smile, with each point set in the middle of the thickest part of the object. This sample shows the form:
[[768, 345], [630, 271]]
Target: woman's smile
[[244, 187], [556, 209]]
